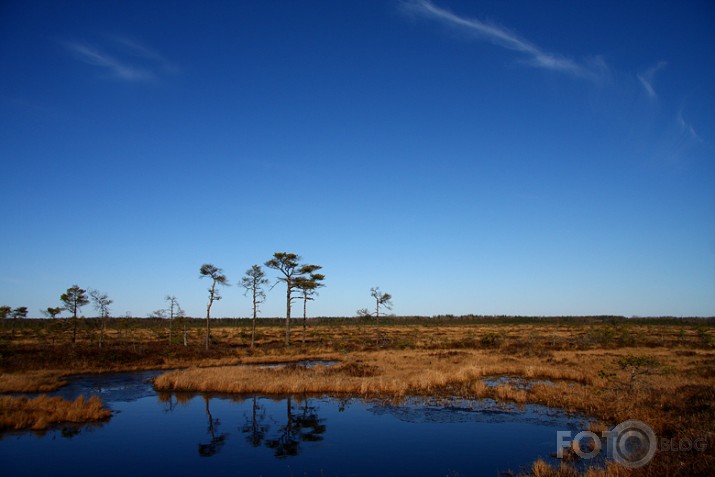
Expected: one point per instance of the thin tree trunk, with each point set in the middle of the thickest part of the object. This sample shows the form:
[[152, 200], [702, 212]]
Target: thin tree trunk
[[208, 314], [101, 333], [255, 314], [171, 318], [288, 293], [74, 328], [305, 303], [208, 324], [377, 323]]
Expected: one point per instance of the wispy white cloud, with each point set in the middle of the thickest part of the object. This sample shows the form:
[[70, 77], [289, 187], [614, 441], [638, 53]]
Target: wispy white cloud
[[118, 69], [673, 141], [137, 49], [123, 59], [594, 69], [686, 128], [646, 78]]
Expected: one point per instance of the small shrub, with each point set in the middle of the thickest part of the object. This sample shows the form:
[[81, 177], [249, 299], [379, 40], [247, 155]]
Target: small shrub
[[638, 367], [704, 336], [491, 340]]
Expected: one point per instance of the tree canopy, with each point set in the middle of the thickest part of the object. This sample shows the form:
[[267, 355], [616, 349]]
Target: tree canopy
[[74, 299]]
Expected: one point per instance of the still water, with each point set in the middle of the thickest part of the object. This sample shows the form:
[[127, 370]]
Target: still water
[[216, 435]]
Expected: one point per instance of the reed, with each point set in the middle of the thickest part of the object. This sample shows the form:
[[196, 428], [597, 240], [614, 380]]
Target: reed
[[542, 469], [44, 411], [31, 382], [367, 373]]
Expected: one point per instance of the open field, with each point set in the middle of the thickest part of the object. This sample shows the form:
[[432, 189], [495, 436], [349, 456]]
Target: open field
[[659, 371]]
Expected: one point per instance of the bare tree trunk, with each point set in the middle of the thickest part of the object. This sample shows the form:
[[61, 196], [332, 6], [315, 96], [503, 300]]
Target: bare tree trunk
[[74, 329], [305, 303], [255, 314], [288, 293], [377, 322], [208, 314], [208, 325]]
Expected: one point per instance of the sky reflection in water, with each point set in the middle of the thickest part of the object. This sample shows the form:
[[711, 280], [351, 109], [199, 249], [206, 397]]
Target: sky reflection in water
[[185, 434]]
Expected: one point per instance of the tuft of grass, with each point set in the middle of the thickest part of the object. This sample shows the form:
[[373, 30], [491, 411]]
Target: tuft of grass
[[389, 372], [44, 411], [31, 382], [542, 469]]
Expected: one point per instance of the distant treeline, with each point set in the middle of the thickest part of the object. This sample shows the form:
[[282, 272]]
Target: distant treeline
[[151, 322]]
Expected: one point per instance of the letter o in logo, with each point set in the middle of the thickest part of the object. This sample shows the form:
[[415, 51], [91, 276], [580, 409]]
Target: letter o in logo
[[576, 445], [635, 443]]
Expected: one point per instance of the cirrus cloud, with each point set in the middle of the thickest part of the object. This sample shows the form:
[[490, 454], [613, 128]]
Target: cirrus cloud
[[593, 69], [122, 59]]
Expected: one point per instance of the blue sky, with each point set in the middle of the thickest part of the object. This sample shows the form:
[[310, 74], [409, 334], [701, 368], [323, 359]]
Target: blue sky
[[534, 158]]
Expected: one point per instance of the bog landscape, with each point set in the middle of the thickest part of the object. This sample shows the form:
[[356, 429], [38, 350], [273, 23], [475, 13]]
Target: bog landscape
[[494, 373], [319, 238]]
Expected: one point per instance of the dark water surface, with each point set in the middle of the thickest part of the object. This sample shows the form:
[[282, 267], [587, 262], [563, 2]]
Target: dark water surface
[[216, 435]]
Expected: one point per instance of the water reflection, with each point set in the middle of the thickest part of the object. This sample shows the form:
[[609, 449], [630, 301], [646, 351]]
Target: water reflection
[[299, 423], [174, 433], [306, 426], [217, 439], [65, 431], [255, 427]]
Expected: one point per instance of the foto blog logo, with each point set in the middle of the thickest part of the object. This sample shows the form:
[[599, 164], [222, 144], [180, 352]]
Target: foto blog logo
[[631, 443]]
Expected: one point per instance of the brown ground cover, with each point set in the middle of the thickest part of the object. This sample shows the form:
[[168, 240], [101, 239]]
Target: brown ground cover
[[43, 411], [660, 372]]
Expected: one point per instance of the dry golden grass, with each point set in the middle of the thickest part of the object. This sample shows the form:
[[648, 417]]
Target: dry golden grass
[[542, 469], [352, 335], [43, 411], [393, 373], [31, 382], [665, 396], [662, 374]]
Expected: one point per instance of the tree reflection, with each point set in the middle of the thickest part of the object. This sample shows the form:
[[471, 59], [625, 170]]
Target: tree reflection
[[302, 424], [217, 439], [255, 428], [310, 426], [68, 432], [306, 426], [171, 400]]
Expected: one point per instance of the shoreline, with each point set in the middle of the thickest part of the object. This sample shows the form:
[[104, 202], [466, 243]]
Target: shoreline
[[663, 375]]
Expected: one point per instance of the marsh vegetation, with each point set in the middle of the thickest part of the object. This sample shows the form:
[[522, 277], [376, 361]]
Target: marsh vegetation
[[43, 411], [660, 371]]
